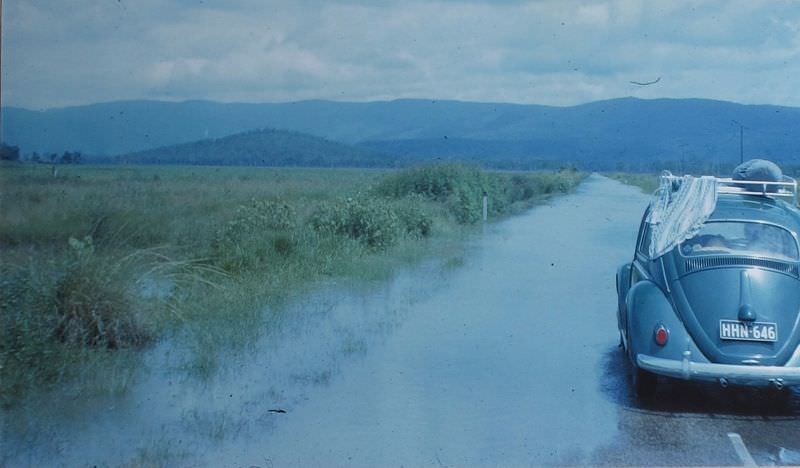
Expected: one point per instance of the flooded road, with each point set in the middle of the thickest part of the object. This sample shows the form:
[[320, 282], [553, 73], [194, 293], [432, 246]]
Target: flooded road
[[499, 367], [507, 356]]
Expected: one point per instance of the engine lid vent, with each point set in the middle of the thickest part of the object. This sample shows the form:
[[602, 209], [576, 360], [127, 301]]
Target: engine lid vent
[[702, 263]]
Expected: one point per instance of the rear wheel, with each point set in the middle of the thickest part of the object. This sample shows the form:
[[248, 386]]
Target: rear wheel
[[644, 383]]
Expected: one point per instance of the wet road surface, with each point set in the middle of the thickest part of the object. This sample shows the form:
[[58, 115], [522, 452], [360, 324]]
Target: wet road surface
[[515, 362], [508, 358]]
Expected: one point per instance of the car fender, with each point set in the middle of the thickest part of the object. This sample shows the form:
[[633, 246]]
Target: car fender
[[647, 308], [623, 284]]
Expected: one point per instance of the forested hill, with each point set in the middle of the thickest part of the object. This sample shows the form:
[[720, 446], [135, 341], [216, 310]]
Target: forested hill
[[622, 133], [266, 147]]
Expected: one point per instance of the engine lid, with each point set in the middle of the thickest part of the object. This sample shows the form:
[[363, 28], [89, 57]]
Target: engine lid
[[740, 315]]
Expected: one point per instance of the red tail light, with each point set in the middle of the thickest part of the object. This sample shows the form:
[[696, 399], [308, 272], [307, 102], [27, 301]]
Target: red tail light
[[661, 335]]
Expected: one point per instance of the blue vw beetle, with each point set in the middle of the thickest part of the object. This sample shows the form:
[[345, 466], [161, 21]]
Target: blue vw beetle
[[713, 291]]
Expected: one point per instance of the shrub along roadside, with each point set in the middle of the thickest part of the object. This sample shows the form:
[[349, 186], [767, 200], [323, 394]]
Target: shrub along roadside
[[460, 188], [71, 301]]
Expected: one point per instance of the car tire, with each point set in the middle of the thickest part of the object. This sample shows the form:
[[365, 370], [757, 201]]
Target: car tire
[[644, 383]]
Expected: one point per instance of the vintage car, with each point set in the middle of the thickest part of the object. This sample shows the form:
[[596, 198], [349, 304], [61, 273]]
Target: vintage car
[[719, 299]]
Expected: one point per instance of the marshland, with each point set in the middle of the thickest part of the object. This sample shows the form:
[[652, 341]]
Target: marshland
[[100, 263]]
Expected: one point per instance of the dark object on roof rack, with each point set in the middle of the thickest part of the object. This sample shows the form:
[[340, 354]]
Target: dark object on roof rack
[[759, 169]]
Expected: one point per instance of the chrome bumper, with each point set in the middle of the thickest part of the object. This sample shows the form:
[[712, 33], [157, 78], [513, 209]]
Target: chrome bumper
[[756, 376]]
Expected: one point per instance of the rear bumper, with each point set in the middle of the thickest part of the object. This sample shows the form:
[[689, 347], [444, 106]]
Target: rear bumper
[[753, 376]]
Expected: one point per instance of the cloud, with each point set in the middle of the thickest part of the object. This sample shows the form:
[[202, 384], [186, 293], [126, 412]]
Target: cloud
[[551, 52]]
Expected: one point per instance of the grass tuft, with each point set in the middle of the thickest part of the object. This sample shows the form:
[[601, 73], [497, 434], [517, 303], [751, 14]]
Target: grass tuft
[[371, 221], [93, 304]]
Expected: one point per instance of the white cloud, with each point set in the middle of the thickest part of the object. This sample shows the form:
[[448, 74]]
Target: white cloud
[[593, 15], [553, 52]]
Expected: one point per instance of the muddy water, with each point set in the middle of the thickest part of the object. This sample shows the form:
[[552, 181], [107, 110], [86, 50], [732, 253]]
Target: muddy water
[[505, 358]]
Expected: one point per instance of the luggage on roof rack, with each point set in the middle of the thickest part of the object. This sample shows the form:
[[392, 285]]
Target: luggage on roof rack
[[786, 188]]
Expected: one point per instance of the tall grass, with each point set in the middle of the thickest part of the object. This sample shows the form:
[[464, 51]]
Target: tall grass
[[102, 260], [648, 183], [461, 188]]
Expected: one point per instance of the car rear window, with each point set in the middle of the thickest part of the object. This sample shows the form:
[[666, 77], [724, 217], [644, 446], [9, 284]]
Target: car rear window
[[742, 238]]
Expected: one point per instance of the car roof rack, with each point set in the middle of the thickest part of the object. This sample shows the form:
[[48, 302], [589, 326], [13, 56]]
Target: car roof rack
[[787, 188]]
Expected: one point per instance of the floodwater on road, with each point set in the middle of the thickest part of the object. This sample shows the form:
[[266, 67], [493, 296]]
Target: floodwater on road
[[499, 367], [509, 358]]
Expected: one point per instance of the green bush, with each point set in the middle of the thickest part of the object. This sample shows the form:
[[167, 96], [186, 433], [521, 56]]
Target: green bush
[[438, 181], [371, 221], [459, 187], [415, 218], [257, 231]]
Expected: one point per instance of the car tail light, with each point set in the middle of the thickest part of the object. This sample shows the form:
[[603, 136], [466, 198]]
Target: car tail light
[[661, 335]]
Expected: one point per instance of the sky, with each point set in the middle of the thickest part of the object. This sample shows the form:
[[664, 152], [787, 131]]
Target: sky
[[57, 53]]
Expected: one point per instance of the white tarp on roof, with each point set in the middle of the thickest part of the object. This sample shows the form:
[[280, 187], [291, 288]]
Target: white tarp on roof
[[680, 208]]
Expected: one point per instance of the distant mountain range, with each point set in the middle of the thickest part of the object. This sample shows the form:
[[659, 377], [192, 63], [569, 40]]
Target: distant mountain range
[[604, 134]]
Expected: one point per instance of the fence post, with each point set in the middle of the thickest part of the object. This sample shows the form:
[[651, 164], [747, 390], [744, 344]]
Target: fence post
[[485, 206]]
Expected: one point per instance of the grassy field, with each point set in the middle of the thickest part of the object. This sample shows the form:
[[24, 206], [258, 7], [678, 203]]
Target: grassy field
[[647, 182], [99, 263]]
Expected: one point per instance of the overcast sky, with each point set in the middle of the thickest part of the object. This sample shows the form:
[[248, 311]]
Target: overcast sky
[[58, 53]]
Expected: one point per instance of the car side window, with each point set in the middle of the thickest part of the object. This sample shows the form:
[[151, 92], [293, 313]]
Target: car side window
[[643, 244]]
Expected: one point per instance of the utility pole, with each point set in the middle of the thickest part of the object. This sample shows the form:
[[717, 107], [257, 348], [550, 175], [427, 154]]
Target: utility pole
[[741, 140], [741, 144]]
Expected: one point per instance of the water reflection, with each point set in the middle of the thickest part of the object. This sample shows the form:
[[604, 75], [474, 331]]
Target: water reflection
[[693, 399], [498, 367], [687, 423], [170, 416]]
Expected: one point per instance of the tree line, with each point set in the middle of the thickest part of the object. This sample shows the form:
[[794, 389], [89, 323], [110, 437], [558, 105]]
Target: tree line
[[12, 153]]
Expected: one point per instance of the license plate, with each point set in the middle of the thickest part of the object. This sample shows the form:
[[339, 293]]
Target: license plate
[[755, 331]]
